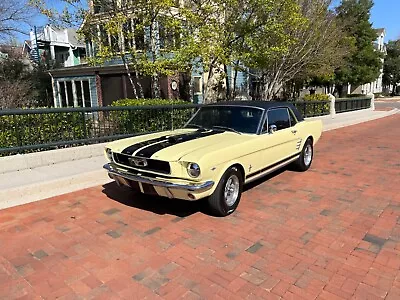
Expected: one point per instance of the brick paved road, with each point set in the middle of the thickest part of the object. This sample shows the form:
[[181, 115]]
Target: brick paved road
[[330, 233]]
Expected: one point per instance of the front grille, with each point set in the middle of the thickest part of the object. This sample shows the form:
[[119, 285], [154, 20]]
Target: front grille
[[152, 164]]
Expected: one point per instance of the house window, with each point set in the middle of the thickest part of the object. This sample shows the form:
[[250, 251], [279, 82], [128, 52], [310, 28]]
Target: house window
[[197, 88], [169, 39], [103, 36], [70, 95], [86, 93], [82, 96], [63, 100]]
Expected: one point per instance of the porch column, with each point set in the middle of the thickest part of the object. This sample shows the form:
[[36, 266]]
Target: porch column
[[52, 53], [83, 94], [58, 95], [74, 93], [66, 93]]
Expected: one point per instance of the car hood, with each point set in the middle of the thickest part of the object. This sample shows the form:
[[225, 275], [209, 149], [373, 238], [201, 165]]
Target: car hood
[[174, 145]]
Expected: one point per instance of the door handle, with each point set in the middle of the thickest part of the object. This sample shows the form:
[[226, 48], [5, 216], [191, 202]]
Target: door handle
[[294, 131]]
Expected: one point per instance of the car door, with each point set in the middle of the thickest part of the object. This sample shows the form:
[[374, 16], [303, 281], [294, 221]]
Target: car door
[[296, 130], [278, 136]]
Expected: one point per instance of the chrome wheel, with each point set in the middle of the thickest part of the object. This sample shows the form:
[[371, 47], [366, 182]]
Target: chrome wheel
[[308, 155], [231, 191]]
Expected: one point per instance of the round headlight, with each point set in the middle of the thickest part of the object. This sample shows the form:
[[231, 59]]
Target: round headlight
[[193, 170], [109, 154]]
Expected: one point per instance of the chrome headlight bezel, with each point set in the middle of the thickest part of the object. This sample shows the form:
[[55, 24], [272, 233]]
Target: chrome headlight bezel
[[109, 154], [193, 170]]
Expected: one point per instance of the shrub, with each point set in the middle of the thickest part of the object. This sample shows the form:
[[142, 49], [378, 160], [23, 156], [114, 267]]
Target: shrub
[[149, 120], [315, 108], [316, 97], [35, 129]]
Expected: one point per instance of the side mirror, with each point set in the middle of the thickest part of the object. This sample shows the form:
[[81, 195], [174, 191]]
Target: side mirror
[[272, 128]]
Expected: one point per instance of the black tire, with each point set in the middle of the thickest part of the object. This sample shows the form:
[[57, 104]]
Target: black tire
[[218, 203], [302, 164]]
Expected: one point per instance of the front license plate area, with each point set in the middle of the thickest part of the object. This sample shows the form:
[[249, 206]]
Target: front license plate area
[[122, 181], [149, 189]]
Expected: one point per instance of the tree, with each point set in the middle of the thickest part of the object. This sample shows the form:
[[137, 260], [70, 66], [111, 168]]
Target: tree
[[22, 86], [237, 33], [13, 14], [315, 47], [365, 63], [202, 34], [391, 67]]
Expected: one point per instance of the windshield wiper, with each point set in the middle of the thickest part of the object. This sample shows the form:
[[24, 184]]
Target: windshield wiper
[[195, 126], [227, 128]]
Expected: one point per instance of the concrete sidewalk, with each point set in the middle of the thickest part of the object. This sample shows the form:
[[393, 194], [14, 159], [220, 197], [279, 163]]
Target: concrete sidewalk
[[35, 176]]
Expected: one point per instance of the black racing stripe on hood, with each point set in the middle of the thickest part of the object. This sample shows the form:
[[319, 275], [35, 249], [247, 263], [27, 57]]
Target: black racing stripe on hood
[[131, 149], [174, 140]]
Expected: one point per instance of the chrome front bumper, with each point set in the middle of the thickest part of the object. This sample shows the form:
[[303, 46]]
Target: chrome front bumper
[[195, 187]]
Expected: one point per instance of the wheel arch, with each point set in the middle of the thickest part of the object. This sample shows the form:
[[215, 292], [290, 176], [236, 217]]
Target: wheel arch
[[226, 166], [309, 137]]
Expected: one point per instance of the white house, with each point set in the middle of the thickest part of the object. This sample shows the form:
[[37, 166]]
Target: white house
[[376, 86], [59, 45]]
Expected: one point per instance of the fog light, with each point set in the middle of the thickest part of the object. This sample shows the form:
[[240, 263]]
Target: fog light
[[191, 196]]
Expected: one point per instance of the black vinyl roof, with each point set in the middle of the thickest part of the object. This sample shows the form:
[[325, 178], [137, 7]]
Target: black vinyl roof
[[260, 104]]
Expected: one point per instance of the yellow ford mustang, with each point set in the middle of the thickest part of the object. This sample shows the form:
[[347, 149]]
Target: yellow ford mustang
[[221, 148]]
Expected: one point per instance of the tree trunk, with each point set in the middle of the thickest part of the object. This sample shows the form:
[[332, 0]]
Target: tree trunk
[[207, 86], [128, 72], [155, 86], [190, 87], [155, 49], [340, 90], [141, 93], [228, 88], [234, 83]]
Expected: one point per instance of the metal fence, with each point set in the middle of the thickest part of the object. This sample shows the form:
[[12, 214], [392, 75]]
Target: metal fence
[[350, 104], [28, 130]]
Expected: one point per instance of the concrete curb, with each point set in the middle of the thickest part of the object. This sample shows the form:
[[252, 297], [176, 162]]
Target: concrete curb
[[39, 159]]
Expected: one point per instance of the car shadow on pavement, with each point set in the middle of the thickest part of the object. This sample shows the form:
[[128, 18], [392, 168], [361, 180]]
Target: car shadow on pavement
[[155, 204]]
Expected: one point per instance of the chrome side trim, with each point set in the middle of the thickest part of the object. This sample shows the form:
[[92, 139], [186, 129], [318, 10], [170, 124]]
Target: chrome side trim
[[201, 187], [272, 169]]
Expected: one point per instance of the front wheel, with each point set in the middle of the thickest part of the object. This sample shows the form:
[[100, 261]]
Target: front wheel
[[304, 161], [226, 196]]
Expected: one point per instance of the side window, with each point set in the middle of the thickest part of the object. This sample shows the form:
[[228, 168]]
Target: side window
[[293, 120], [279, 117]]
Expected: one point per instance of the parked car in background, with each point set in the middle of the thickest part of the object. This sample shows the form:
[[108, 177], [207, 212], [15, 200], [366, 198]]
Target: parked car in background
[[221, 148]]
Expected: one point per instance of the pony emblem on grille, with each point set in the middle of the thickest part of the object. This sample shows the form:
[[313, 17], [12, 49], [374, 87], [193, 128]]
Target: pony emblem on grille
[[137, 162]]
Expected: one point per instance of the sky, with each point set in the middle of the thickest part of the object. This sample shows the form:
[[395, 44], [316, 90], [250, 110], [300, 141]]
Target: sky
[[385, 14]]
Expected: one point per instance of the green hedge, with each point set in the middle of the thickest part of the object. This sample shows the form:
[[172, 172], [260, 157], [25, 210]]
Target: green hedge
[[316, 97], [315, 109], [34, 129], [145, 120]]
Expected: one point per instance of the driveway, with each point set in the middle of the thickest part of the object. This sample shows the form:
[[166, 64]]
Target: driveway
[[330, 233]]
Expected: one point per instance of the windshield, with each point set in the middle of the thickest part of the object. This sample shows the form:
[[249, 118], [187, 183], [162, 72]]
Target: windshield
[[237, 118]]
